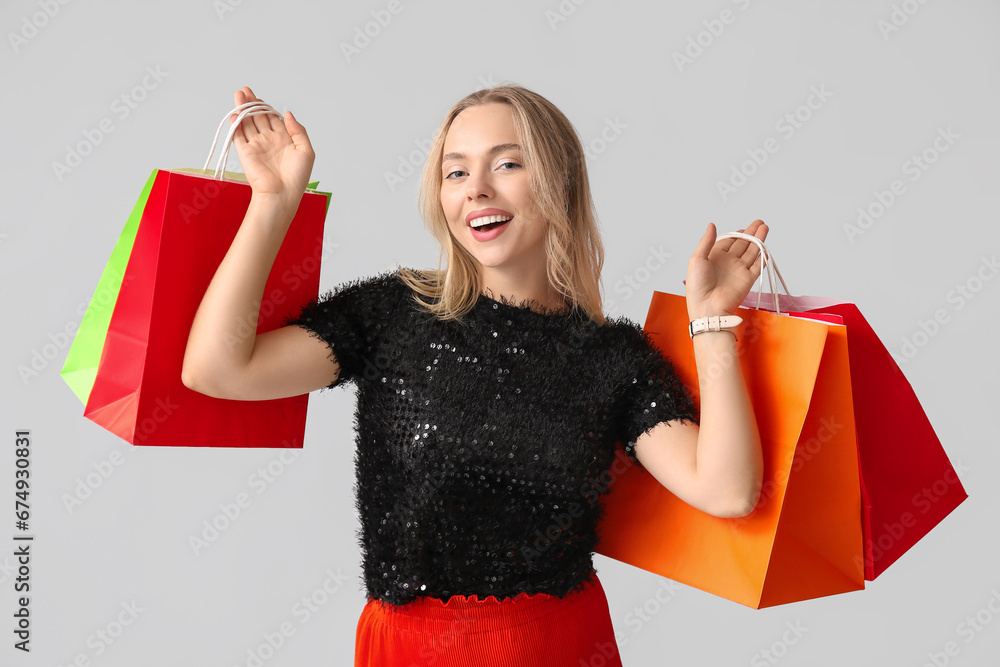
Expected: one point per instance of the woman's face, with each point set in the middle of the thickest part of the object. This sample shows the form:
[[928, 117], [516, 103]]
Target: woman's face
[[483, 171]]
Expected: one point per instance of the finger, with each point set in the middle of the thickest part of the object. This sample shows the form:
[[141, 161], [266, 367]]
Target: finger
[[247, 128], [297, 132], [242, 96], [272, 122], [762, 231], [754, 227], [749, 255], [740, 248], [757, 229], [734, 246], [256, 121], [725, 244], [239, 97], [264, 122], [705, 243], [251, 125]]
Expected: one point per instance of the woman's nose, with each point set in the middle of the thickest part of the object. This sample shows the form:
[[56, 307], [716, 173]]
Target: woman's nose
[[478, 186]]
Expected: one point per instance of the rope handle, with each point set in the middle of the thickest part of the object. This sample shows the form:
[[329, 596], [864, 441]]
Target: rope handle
[[768, 266], [256, 108]]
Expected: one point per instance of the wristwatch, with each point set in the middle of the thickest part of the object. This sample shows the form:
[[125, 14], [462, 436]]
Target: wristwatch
[[714, 323]]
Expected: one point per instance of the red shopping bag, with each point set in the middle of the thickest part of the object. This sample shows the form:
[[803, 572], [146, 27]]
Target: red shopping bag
[[908, 484], [186, 228]]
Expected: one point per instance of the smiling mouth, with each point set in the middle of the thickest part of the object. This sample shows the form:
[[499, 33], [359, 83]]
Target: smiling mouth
[[488, 222]]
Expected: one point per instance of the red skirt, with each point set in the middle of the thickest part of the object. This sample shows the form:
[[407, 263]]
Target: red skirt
[[523, 631]]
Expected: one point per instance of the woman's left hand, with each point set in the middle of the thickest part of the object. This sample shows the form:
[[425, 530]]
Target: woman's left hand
[[720, 274]]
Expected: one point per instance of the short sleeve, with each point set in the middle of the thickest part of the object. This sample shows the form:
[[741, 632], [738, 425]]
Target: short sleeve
[[350, 318], [651, 392]]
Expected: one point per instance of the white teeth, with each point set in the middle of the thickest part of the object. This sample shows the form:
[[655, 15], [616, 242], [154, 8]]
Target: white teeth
[[489, 219]]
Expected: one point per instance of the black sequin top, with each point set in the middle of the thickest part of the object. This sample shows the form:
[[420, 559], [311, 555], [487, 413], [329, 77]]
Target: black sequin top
[[483, 447]]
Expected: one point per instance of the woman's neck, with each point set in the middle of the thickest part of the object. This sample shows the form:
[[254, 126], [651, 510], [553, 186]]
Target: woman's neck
[[516, 289]]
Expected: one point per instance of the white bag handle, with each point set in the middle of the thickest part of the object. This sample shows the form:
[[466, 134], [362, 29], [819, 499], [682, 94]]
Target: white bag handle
[[256, 108], [768, 266]]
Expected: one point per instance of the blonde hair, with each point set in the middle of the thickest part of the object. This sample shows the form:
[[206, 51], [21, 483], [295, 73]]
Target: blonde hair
[[557, 173]]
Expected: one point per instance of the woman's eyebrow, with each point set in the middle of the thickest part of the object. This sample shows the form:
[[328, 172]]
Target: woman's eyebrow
[[499, 148]]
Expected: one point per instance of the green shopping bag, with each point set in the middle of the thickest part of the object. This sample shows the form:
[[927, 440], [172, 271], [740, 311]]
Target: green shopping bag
[[80, 367]]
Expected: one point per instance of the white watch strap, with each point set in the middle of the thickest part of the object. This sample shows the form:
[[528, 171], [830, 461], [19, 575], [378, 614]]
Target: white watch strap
[[713, 323]]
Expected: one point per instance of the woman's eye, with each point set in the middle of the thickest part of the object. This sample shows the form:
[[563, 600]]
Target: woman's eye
[[515, 166]]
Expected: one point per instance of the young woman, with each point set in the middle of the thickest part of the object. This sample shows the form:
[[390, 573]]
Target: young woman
[[491, 392]]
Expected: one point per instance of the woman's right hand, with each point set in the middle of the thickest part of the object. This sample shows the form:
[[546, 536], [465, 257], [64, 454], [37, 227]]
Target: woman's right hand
[[276, 155]]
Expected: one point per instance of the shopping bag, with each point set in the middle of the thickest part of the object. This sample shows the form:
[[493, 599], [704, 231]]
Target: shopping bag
[[187, 225], [908, 483], [80, 367], [803, 540]]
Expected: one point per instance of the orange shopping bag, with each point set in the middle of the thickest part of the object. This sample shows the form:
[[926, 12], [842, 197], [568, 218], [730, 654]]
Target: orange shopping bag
[[804, 538]]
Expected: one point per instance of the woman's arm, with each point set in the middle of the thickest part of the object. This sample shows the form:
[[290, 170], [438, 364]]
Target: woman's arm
[[220, 361], [716, 467]]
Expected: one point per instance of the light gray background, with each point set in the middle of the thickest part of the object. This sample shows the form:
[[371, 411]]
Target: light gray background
[[655, 184]]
